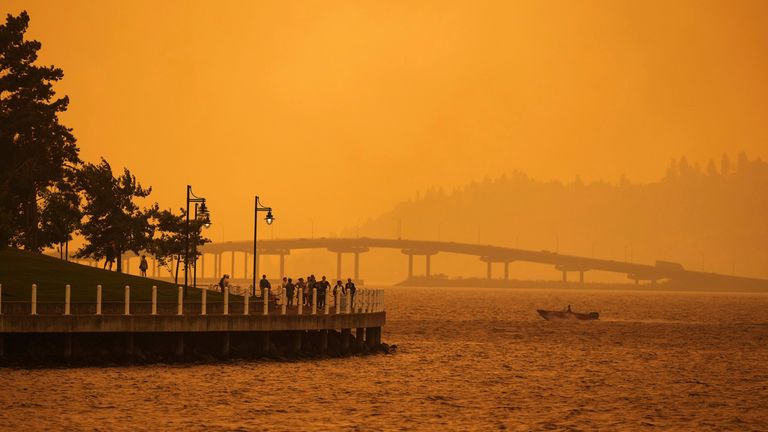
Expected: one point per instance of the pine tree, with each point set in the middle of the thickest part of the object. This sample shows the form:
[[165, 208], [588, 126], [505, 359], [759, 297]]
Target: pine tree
[[38, 152], [111, 216]]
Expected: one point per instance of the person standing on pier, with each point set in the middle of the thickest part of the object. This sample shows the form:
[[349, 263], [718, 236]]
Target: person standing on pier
[[143, 266], [301, 292], [322, 290], [350, 290], [264, 285], [310, 286], [289, 289]]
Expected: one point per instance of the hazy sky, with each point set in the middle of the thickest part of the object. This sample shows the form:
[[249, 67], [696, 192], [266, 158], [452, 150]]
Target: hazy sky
[[335, 111]]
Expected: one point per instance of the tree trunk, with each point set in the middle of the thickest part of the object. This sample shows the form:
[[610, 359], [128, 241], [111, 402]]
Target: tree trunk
[[176, 279]]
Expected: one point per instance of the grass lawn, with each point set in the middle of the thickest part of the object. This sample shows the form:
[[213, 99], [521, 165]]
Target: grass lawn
[[20, 269]]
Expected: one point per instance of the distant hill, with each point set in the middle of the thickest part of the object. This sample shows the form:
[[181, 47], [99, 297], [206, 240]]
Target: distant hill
[[711, 219]]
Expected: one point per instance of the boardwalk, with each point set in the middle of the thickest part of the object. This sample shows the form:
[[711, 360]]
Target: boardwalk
[[152, 331]]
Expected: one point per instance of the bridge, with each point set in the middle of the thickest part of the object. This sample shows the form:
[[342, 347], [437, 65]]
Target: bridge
[[489, 254]]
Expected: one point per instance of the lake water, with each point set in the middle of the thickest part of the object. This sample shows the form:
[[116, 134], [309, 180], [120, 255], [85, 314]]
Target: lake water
[[468, 359]]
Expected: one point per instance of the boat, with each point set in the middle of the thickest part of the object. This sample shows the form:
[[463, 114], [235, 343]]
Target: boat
[[567, 315]]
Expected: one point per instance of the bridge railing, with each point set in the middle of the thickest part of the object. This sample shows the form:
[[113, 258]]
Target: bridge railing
[[361, 301]]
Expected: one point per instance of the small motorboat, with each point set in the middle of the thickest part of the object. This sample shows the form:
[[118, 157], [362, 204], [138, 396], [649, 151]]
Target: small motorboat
[[567, 315]]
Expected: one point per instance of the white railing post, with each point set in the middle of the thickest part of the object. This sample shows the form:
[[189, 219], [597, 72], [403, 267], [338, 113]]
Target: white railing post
[[326, 302], [360, 300], [347, 301], [314, 301], [246, 303], [226, 300], [283, 302], [66, 299], [127, 300], [154, 299], [265, 296], [337, 302], [300, 302], [98, 299], [180, 302], [34, 299], [203, 301]]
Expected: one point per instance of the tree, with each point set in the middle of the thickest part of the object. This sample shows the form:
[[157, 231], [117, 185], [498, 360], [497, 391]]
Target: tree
[[168, 246], [37, 151], [61, 215], [111, 216]]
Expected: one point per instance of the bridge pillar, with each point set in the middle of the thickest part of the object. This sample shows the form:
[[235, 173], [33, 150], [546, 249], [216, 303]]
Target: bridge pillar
[[489, 270], [232, 269], [565, 276], [581, 277], [357, 266], [429, 265], [338, 266], [245, 266], [202, 265], [410, 266], [506, 270], [282, 266]]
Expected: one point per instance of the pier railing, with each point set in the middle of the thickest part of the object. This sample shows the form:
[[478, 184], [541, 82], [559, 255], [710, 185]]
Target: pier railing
[[362, 302]]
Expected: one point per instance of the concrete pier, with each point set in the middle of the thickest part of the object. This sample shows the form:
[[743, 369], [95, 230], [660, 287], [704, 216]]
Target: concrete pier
[[126, 332]]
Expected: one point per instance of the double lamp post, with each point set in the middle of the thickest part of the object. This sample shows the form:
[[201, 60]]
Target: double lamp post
[[202, 214]]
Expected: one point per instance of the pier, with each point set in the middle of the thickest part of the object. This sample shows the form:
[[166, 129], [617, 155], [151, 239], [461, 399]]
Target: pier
[[188, 329]]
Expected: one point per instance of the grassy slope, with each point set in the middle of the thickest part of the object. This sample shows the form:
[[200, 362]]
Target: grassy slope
[[20, 269]]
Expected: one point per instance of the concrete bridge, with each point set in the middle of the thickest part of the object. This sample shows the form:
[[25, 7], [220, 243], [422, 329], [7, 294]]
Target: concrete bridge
[[489, 254]]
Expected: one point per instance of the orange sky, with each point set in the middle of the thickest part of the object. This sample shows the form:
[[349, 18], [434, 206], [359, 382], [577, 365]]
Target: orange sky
[[335, 111]]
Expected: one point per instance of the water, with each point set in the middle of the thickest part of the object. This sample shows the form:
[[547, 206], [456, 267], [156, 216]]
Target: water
[[469, 359]]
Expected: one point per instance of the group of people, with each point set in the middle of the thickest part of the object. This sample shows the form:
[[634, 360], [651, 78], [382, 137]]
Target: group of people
[[301, 291], [110, 254]]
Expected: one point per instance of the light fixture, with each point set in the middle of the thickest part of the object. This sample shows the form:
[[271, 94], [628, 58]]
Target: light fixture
[[269, 218]]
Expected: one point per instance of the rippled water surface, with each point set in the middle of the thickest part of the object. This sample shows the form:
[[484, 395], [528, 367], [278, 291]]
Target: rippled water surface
[[468, 359]]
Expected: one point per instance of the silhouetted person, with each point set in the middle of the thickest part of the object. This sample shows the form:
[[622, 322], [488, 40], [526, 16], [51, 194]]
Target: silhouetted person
[[264, 285], [109, 256], [322, 289], [223, 282], [289, 291], [350, 290], [310, 286], [301, 287], [143, 266]]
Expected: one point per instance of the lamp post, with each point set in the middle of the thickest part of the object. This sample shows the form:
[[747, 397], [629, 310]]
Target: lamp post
[[257, 207], [192, 198], [205, 216]]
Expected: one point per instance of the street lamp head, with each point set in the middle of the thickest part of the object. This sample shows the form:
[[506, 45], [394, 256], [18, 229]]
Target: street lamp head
[[203, 208], [269, 218], [207, 219]]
